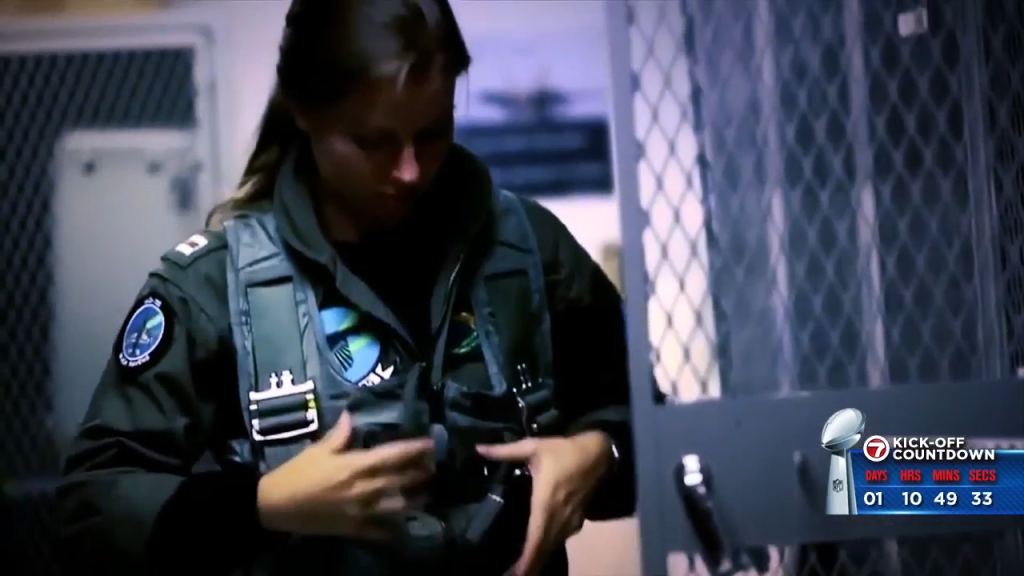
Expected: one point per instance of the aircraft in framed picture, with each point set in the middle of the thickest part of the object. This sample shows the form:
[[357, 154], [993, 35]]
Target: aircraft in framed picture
[[538, 147], [540, 105]]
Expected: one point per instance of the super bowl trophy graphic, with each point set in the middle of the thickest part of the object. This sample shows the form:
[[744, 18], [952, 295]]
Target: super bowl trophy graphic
[[841, 433]]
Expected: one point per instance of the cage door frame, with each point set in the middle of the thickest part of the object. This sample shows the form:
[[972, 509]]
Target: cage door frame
[[790, 466], [192, 29]]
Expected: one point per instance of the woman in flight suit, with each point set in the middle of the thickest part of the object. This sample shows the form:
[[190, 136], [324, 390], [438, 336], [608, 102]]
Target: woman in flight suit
[[356, 166]]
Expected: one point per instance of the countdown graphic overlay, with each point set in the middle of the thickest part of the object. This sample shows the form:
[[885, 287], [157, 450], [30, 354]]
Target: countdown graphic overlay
[[908, 475]]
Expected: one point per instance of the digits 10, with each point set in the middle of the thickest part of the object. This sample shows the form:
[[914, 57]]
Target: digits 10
[[911, 498]]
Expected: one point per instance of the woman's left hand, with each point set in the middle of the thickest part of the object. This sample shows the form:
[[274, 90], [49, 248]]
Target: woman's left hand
[[565, 471]]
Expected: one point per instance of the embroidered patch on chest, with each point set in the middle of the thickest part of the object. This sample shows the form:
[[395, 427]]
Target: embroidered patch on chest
[[463, 335], [356, 349]]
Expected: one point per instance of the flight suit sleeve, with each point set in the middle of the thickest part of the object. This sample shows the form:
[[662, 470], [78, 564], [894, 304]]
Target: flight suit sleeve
[[128, 501], [591, 365]]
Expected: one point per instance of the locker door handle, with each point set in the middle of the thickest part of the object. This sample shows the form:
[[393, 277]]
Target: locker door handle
[[695, 488], [693, 483]]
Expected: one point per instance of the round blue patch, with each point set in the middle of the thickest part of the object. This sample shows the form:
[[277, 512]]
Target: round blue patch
[[357, 351], [144, 332]]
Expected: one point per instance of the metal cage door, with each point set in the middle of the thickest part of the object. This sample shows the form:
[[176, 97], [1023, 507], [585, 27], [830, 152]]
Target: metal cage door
[[816, 215], [60, 80]]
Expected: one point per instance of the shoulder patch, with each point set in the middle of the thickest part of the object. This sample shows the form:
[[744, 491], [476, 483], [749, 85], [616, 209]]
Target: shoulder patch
[[146, 334], [194, 247], [194, 242]]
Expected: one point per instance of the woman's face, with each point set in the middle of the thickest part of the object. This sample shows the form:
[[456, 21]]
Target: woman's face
[[379, 149]]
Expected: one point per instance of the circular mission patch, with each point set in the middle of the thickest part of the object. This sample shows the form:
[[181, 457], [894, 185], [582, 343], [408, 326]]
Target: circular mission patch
[[146, 333]]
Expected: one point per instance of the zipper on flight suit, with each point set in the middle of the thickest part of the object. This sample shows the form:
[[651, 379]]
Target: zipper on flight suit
[[451, 291]]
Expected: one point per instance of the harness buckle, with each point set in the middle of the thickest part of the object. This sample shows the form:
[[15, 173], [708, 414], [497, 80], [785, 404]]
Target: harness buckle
[[285, 410], [520, 391]]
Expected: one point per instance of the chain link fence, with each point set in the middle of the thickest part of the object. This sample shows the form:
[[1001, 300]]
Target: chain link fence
[[1003, 53], [45, 94], [833, 197]]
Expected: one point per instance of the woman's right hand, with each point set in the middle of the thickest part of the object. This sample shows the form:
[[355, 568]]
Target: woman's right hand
[[330, 490]]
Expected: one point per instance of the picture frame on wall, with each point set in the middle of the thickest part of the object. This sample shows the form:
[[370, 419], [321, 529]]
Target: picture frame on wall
[[537, 110]]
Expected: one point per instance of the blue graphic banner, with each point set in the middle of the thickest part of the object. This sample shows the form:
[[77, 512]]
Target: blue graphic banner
[[556, 157], [895, 487]]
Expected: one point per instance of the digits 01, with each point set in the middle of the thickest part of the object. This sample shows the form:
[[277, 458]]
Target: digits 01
[[872, 498]]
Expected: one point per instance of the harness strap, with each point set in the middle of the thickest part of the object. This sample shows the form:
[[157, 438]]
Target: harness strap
[[534, 389], [277, 360]]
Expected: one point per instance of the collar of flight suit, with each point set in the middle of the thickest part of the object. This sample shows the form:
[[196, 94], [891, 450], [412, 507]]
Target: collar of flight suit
[[454, 212]]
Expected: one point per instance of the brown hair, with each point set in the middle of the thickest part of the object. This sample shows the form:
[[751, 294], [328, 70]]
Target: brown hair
[[328, 48]]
